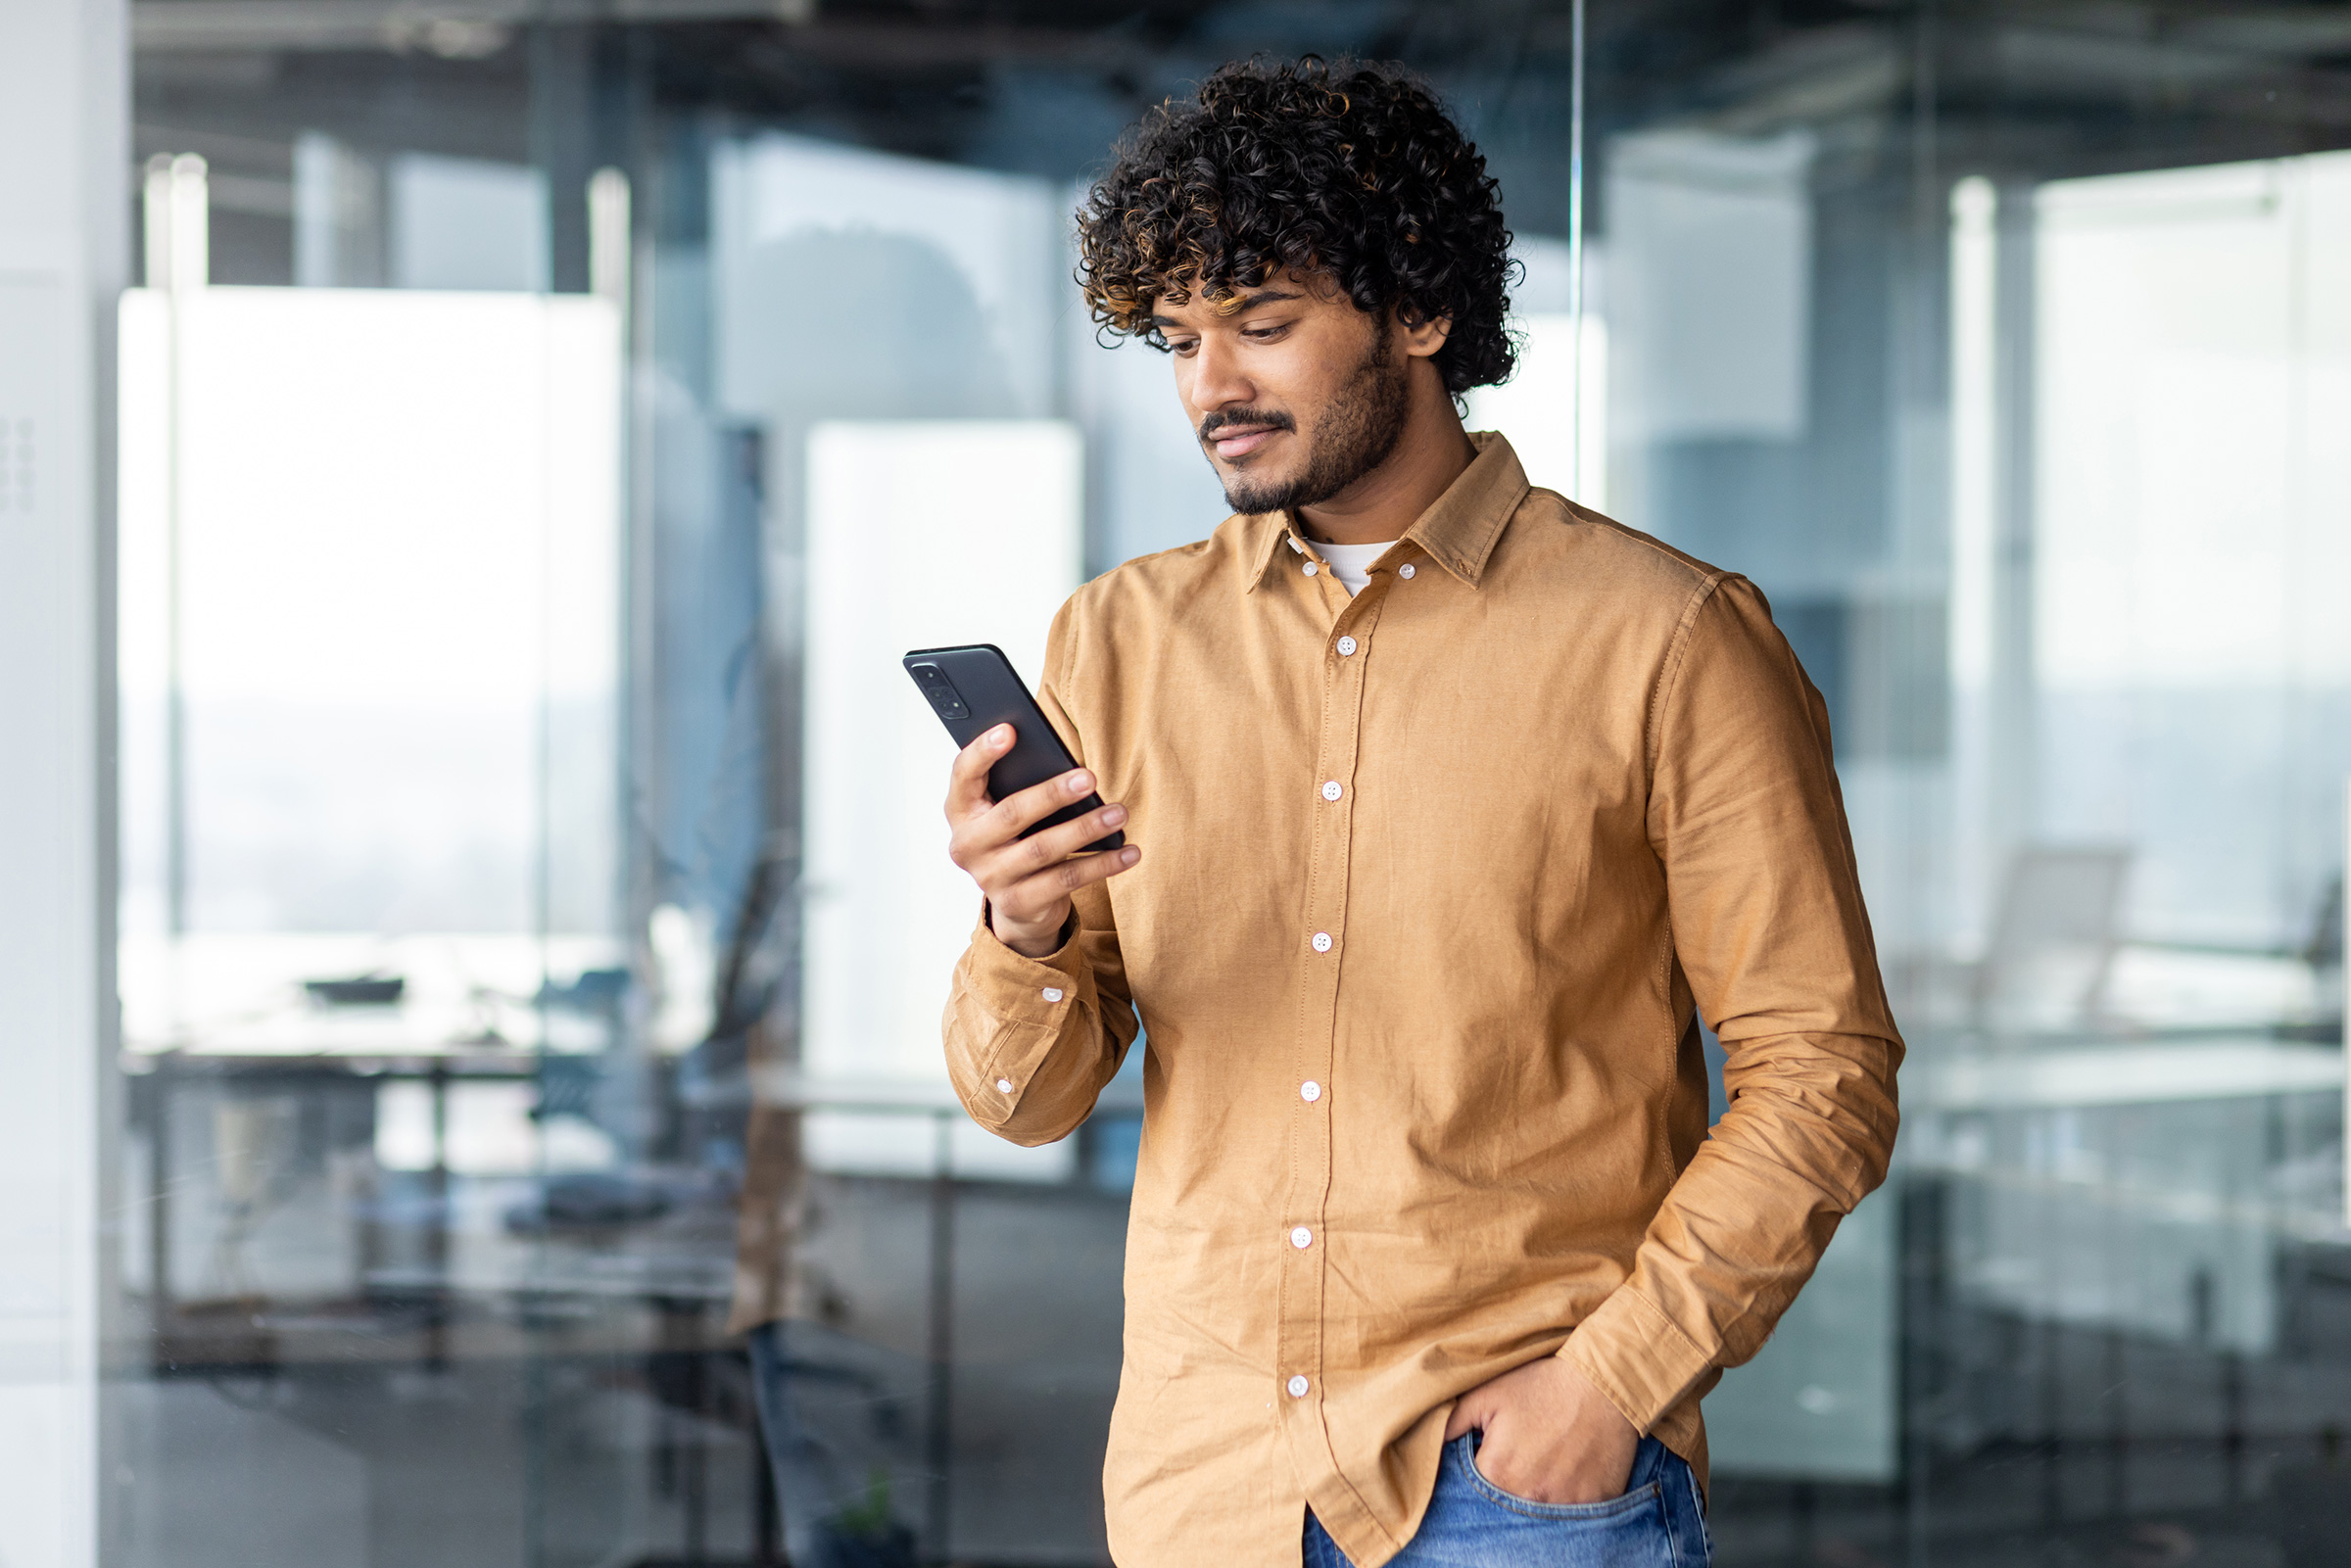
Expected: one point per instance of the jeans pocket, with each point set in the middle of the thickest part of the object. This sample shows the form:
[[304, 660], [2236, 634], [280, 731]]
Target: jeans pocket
[[1642, 1496]]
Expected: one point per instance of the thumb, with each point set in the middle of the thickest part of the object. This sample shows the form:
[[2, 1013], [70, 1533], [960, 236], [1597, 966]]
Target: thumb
[[1467, 1416]]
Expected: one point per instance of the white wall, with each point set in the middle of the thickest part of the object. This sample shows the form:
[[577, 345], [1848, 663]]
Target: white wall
[[64, 196], [1709, 303], [466, 224], [796, 336], [1710, 241]]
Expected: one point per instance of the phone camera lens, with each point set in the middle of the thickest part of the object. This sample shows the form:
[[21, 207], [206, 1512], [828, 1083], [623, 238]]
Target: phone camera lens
[[940, 691]]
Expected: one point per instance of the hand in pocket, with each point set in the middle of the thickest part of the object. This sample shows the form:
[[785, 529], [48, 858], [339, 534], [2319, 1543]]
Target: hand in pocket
[[1548, 1435]]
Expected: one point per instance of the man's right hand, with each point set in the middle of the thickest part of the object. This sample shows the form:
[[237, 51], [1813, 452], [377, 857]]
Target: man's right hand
[[1027, 882]]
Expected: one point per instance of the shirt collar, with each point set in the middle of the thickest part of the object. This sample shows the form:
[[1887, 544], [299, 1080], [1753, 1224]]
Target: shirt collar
[[1457, 532]]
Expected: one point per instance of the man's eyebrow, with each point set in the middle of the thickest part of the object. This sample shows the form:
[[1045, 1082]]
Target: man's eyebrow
[[1234, 306], [1250, 302]]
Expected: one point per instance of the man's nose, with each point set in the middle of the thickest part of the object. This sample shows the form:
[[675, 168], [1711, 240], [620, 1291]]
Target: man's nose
[[1217, 378]]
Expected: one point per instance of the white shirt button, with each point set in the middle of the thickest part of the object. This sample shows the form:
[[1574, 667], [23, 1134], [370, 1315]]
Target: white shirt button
[[1296, 1388], [1310, 568], [1052, 993], [1346, 647], [1310, 1091], [1405, 571], [1331, 789], [1302, 1238], [1321, 941], [1004, 1086]]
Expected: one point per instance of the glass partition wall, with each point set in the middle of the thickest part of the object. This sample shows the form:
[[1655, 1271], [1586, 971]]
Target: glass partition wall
[[539, 437]]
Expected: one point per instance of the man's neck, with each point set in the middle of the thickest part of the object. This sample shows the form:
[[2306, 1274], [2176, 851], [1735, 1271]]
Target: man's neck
[[1428, 457]]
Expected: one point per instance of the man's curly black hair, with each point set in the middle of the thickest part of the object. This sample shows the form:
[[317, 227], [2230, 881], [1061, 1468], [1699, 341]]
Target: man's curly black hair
[[1349, 169]]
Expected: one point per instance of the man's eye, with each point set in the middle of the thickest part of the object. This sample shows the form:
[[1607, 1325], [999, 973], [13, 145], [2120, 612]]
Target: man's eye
[[1265, 334], [1183, 348]]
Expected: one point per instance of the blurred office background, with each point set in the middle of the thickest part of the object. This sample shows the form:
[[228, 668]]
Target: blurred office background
[[535, 428]]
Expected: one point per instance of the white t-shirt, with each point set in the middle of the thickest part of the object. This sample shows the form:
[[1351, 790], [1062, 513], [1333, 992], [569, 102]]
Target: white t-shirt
[[1351, 564]]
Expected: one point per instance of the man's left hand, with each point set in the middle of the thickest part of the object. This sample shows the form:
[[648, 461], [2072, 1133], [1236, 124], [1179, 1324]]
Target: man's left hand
[[1550, 1436]]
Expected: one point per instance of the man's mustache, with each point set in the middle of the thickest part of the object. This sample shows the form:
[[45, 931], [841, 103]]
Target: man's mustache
[[1224, 417]]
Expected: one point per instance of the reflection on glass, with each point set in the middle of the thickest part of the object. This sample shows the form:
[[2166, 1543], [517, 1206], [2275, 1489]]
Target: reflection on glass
[[523, 956]]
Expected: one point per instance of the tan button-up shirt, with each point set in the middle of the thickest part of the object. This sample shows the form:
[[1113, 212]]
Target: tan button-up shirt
[[1432, 882]]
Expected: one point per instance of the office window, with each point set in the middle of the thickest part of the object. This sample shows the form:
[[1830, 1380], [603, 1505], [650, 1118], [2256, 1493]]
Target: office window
[[529, 843]]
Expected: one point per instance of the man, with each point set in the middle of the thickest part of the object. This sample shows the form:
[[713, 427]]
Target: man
[[1452, 806]]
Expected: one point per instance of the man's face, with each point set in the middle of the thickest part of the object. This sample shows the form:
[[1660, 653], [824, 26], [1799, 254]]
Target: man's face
[[1295, 393]]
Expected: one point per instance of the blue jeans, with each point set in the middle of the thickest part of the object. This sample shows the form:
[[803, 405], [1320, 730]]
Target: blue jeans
[[1473, 1523]]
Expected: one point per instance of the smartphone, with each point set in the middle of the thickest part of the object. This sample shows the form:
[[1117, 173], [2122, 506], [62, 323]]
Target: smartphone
[[975, 688]]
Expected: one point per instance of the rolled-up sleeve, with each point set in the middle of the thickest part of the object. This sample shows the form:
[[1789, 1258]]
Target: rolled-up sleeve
[[1030, 1041], [1769, 930]]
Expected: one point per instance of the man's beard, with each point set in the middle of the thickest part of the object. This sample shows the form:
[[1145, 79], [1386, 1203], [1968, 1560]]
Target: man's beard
[[1353, 436]]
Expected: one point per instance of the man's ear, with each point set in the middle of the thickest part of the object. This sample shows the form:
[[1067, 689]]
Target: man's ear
[[1420, 339]]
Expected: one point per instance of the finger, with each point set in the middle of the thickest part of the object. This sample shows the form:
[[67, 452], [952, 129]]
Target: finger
[[967, 778], [1463, 1419], [1012, 814], [1032, 896], [980, 840], [1049, 846]]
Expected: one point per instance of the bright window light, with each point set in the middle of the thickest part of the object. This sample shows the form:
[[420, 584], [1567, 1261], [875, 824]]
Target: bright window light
[[2194, 383], [1974, 348], [395, 518], [397, 530], [1537, 407], [921, 533]]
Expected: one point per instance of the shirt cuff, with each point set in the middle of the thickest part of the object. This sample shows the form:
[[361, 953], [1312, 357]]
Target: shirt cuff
[[1641, 1362], [1027, 1002]]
